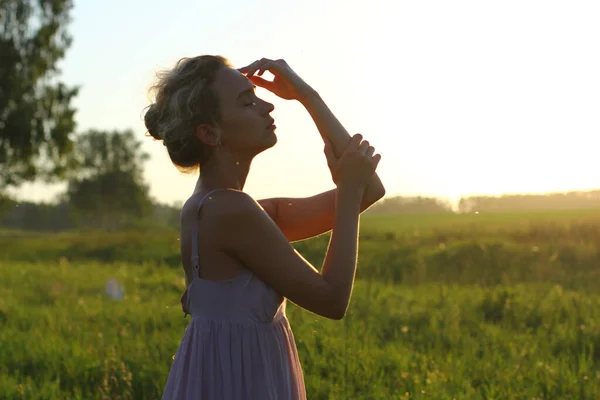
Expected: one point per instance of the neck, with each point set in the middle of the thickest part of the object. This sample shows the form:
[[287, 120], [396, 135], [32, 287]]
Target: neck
[[224, 171]]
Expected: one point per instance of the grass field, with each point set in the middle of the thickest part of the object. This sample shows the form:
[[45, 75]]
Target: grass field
[[498, 306]]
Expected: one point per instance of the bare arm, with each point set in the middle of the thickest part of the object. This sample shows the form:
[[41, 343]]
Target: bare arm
[[305, 217], [249, 235], [288, 85], [252, 237], [332, 130]]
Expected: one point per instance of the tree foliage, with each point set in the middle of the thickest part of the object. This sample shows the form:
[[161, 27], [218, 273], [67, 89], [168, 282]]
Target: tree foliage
[[546, 201], [106, 189], [36, 116], [410, 205]]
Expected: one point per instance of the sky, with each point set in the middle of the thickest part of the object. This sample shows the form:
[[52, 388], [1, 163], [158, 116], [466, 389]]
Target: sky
[[459, 97]]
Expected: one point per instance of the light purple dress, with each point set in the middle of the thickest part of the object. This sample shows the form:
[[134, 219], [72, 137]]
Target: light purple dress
[[238, 344]]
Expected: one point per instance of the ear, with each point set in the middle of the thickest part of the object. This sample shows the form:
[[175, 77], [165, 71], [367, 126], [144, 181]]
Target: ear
[[208, 134]]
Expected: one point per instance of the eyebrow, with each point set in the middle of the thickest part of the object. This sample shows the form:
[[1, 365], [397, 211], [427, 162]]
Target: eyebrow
[[245, 91]]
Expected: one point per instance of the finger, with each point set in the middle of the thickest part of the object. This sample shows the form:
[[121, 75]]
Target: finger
[[376, 159], [335, 155], [257, 65], [354, 142], [370, 151], [364, 146], [253, 68], [270, 66], [248, 67], [258, 81]]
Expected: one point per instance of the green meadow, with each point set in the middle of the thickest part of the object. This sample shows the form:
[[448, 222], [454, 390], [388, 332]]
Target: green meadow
[[449, 306]]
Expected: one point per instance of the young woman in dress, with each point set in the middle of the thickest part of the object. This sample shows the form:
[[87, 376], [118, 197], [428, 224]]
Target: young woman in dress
[[239, 265]]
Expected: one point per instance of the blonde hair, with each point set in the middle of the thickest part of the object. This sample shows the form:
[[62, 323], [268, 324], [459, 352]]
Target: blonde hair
[[183, 100]]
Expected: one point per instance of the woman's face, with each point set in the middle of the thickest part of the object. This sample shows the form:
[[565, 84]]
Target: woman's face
[[246, 125]]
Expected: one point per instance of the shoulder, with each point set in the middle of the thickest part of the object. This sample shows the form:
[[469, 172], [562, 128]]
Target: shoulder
[[231, 202], [224, 206]]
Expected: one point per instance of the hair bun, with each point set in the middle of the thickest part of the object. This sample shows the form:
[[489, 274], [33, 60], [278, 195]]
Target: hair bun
[[151, 119]]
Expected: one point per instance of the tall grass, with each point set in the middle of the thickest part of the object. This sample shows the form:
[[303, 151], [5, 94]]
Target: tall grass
[[487, 307]]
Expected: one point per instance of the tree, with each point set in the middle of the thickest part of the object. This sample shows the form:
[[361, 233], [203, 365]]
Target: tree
[[410, 205], [36, 117], [106, 189]]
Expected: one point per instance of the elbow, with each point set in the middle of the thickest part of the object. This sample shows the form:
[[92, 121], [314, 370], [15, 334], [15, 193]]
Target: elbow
[[380, 192], [338, 316], [375, 192], [334, 313], [334, 304], [338, 313], [373, 195]]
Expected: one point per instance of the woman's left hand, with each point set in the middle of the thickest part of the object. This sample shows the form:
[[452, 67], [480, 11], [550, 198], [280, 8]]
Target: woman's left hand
[[286, 84]]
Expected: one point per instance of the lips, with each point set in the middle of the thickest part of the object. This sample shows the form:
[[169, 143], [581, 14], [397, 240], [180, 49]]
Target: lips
[[271, 124]]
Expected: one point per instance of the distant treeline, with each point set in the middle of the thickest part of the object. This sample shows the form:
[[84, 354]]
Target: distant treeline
[[55, 217], [411, 205], [51, 217], [510, 202], [529, 202]]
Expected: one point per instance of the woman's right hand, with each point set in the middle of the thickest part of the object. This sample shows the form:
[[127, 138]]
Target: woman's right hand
[[356, 166]]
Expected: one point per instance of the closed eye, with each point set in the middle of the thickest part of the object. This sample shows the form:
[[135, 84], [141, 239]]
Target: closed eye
[[248, 95]]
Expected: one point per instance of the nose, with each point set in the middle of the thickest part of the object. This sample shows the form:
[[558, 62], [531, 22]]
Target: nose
[[268, 107]]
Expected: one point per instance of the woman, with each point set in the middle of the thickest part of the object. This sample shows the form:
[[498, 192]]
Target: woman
[[239, 264]]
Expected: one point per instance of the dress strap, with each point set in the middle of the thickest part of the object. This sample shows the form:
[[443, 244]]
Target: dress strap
[[195, 236]]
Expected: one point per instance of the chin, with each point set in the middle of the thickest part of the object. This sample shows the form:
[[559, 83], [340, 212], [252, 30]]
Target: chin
[[271, 141]]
